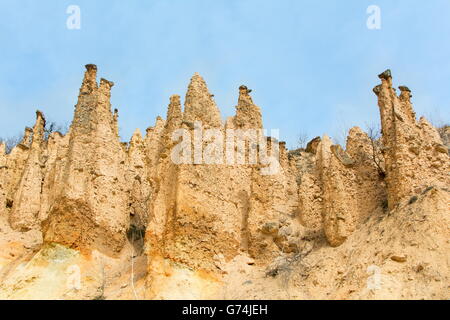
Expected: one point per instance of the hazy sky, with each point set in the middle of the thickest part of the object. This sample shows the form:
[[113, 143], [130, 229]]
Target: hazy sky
[[311, 64]]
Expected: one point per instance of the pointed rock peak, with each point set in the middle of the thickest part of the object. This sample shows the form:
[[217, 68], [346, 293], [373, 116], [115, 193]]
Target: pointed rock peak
[[404, 88], [199, 103], [90, 79], [312, 145], [405, 93], [248, 115], [355, 131], [39, 114], [2, 148], [323, 151], [358, 140], [40, 118], [106, 84], [342, 155], [326, 141], [38, 129], [424, 122], [159, 123], [175, 99], [386, 79], [174, 113], [148, 131], [28, 133], [377, 89], [137, 137], [244, 90], [229, 123], [91, 67], [244, 96], [197, 76]]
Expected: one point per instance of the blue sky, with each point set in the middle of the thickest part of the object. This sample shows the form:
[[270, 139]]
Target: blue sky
[[311, 64]]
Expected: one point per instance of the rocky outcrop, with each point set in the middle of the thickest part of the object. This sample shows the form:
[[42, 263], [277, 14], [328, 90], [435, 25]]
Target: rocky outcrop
[[205, 210], [248, 115], [336, 183], [27, 199], [90, 207], [198, 204], [200, 105], [414, 153]]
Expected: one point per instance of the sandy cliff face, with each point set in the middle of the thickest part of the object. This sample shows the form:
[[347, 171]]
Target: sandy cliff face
[[199, 208]]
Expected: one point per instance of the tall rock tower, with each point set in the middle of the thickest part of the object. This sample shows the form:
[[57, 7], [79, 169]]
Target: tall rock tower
[[414, 153], [200, 105], [90, 207], [24, 215]]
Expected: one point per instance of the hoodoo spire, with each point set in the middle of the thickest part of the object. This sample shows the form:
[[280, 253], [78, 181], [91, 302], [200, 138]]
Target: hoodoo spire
[[199, 104], [248, 115], [174, 113], [90, 79]]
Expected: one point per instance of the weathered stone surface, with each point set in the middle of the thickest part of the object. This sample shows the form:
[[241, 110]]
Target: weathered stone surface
[[342, 156], [122, 210], [311, 147], [412, 163], [199, 104], [27, 200], [89, 208], [201, 211], [248, 115], [385, 75]]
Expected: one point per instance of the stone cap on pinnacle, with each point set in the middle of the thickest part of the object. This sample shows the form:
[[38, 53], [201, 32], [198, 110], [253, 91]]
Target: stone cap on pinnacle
[[404, 88], [386, 80], [244, 96], [89, 81], [385, 75], [245, 89], [136, 137], [90, 67], [40, 115], [108, 83]]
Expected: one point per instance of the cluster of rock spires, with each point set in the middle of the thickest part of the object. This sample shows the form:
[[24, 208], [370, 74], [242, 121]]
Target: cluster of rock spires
[[87, 191]]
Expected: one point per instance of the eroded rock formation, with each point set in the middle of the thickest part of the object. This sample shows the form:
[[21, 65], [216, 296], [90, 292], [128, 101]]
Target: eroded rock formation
[[414, 153], [195, 204]]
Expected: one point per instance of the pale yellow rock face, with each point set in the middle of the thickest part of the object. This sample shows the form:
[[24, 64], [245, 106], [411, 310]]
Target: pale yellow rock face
[[90, 204], [338, 188], [25, 213], [86, 216], [414, 153], [248, 115], [200, 105]]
